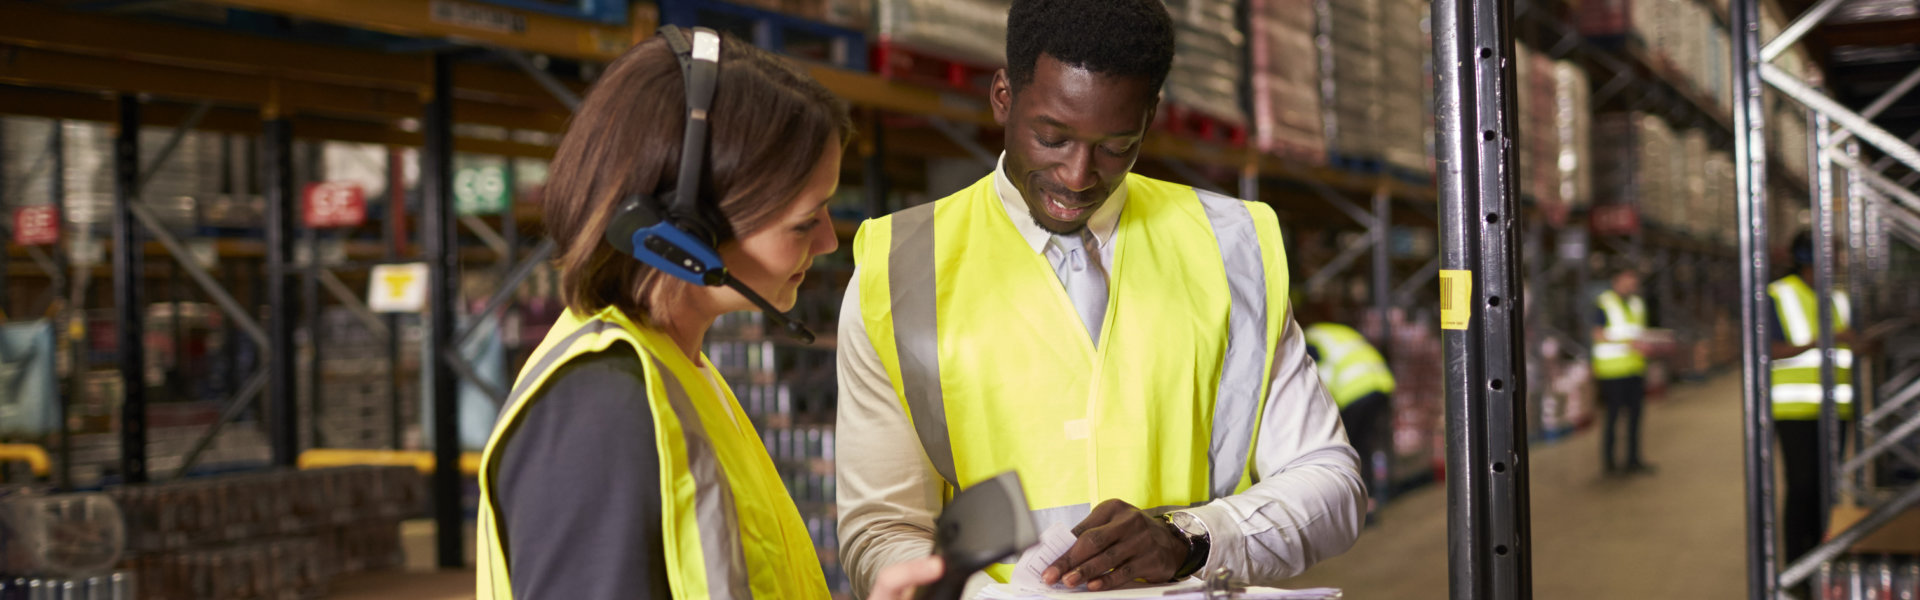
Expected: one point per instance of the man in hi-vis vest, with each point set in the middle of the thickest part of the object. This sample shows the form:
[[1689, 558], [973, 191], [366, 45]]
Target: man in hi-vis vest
[[1620, 366], [1796, 392], [1122, 342]]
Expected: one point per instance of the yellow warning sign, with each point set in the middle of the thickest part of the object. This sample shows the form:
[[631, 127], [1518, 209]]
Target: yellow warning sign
[[398, 288], [1456, 299]]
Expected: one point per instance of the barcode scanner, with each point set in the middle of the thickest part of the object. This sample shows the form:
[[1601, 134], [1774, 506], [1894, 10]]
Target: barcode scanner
[[983, 524], [677, 235]]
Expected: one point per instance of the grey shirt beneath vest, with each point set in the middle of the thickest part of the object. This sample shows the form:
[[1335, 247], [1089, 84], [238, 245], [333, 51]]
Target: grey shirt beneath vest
[[579, 486]]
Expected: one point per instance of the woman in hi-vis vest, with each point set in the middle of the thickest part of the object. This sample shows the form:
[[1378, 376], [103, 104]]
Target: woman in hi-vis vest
[[622, 466]]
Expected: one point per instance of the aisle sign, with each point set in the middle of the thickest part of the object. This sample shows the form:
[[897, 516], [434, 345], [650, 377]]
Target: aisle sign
[[480, 191], [36, 225], [333, 204], [398, 288]]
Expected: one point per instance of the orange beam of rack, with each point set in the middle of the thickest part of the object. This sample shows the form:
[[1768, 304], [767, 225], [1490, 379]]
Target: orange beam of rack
[[158, 43], [484, 23]]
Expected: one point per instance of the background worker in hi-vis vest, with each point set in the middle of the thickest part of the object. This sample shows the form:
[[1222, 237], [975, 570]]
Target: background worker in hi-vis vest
[[1124, 343], [1796, 393], [1620, 367], [623, 466], [1362, 385]]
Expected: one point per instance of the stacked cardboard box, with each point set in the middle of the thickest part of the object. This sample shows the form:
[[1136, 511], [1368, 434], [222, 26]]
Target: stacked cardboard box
[[1405, 109], [970, 31], [1209, 59], [1536, 86], [1350, 71], [1573, 124], [1631, 167], [1286, 80]]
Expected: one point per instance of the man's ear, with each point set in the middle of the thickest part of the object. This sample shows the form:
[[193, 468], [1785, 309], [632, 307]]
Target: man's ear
[[1000, 96]]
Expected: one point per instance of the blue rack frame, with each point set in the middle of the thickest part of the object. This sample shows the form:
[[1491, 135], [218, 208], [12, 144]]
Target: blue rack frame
[[847, 48]]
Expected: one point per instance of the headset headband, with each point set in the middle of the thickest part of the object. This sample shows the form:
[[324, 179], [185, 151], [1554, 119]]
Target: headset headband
[[700, 66]]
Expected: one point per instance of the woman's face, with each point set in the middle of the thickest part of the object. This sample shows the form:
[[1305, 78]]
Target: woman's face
[[774, 260]]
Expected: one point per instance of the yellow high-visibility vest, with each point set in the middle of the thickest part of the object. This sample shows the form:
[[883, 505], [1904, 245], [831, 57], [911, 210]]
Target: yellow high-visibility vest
[[1796, 379], [994, 367], [731, 529], [1615, 357], [1349, 366]]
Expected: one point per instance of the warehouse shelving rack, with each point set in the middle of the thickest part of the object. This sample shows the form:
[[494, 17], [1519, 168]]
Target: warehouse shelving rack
[[500, 66], [1847, 128]]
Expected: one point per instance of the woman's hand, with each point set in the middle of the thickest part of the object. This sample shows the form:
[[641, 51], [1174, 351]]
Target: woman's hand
[[898, 582]]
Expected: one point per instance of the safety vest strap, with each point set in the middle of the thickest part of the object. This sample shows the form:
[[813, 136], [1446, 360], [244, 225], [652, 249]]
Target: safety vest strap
[[1237, 404], [910, 276], [725, 562]]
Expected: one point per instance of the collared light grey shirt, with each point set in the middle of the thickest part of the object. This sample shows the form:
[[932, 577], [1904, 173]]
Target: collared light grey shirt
[[1307, 507]]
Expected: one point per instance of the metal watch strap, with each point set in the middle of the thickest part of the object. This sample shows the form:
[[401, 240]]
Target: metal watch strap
[[1199, 546]]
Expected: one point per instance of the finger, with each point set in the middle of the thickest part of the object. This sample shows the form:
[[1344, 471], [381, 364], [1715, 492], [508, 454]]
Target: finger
[[1103, 514], [1088, 544], [1117, 542], [1120, 576], [1098, 565]]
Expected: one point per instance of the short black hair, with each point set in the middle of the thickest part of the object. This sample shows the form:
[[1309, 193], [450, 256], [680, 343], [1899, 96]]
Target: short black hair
[[1125, 38]]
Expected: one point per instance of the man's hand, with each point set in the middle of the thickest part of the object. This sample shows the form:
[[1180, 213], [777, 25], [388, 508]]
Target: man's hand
[[898, 582], [1118, 544]]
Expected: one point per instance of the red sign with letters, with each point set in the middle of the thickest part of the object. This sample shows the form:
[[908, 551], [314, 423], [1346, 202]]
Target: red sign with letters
[[36, 225], [333, 204]]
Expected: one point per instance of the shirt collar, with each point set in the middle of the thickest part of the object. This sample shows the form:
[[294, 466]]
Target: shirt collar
[[1102, 224]]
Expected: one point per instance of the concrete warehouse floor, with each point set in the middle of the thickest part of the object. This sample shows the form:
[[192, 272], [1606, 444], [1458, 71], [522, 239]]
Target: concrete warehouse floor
[[1675, 534], [1678, 533]]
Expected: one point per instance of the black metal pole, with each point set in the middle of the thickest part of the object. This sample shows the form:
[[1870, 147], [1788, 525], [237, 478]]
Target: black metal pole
[[1750, 182], [310, 293], [130, 325], [283, 430], [440, 231], [1382, 277], [396, 211], [72, 321], [1488, 539]]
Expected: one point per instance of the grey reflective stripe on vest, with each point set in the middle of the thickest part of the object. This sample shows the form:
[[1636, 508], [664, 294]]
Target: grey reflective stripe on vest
[[712, 500], [910, 279], [1236, 404], [553, 355]]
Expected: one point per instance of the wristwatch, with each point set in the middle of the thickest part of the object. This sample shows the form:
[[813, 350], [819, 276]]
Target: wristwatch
[[1199, 543]]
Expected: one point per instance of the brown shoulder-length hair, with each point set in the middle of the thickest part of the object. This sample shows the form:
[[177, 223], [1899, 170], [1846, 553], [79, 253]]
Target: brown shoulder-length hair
[[769, 128]]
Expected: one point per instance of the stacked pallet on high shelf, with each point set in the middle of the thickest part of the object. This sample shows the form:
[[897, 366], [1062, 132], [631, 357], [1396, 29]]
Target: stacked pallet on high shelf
[[951, 43], [1209, 65], [1351, 45], [1680, 37], [1536, 89], [1632, 173], [1285, 80], [1573, 135], [1406, 87]]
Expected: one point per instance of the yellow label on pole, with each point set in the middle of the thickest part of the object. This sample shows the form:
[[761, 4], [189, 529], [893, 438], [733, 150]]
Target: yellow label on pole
[[1456, 299]]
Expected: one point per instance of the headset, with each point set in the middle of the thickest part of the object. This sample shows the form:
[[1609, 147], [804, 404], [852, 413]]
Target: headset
[[678, 237]]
